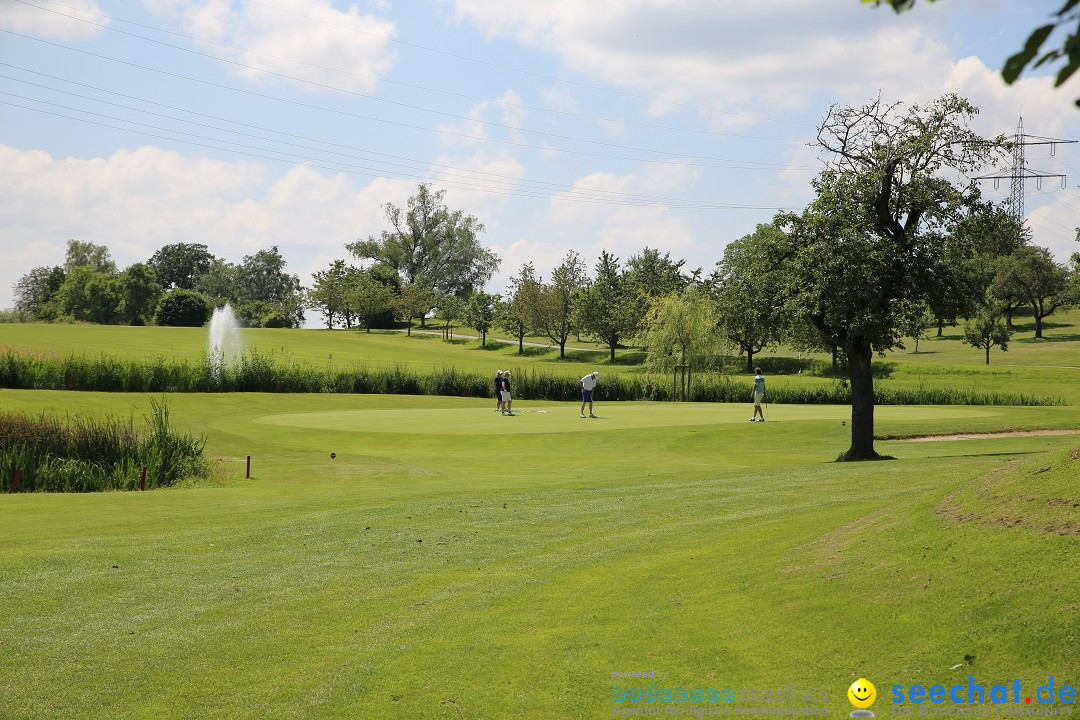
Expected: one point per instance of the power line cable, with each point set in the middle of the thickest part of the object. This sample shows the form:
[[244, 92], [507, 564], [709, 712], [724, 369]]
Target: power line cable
[[587, 192], [387, 80], [532, 73], [408, 125], [378, 173]]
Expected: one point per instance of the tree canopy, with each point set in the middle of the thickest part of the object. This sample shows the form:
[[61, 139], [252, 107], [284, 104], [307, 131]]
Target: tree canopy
[[431, 246], [859, 260]]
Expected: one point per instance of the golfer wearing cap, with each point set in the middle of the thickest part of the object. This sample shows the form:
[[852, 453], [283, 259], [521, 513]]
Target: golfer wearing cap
[[498, 391], [588, 388], [507, 400]]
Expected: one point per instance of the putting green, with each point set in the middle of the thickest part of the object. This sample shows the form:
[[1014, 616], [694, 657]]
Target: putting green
[[564, 418]]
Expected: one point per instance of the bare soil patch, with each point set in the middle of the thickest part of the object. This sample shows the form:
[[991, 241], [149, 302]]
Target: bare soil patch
[[981, 436]]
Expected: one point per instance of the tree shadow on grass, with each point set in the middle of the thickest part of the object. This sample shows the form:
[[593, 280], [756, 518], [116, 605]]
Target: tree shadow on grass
[[631, 358], [530, 351], [585, 356], [1071, 337], [994, 454], [493, 346]]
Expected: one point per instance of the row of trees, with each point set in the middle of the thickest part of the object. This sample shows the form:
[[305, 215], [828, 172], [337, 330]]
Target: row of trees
[[179, 285]]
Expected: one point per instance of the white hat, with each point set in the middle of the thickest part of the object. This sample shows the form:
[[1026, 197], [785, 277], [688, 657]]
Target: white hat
[[506, 373], [498, 372]]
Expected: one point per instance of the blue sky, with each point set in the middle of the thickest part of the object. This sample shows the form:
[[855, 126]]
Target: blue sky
[[677, 124]]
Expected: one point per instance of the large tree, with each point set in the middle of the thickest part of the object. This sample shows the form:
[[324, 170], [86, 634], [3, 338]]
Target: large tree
[[86, 254], [606, 305], [328, 292], [746, 287], [986, 330], [368, 300], [479, 313], [518, 312], [181, 264], [1031, 274], [680, 329], [555, 311], [89, 295], [263, 283], [431, 246], [859, 260], [35, 290], [963, 276], [139, 294]]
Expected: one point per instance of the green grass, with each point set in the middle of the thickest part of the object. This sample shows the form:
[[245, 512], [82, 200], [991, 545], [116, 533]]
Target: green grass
[[1049, 367], [451, 562]]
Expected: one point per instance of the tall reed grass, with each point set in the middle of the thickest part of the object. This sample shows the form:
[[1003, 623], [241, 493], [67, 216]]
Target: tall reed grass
[[262, 373], [87, 454]]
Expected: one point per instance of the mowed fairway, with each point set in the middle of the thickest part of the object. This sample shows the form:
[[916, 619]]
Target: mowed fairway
[[451, 562]]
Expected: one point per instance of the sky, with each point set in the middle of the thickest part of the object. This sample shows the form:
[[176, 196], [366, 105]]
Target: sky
[[603, 125]]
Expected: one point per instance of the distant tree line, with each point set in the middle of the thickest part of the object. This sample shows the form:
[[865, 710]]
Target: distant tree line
[[180, 284]]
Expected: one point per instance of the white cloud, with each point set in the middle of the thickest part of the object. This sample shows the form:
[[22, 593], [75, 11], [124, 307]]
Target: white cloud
[[484, 119], [480, 184], [732, 56], [1053, 224], [306, 39], [58, 22]]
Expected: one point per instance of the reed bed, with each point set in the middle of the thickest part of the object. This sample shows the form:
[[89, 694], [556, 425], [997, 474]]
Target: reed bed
[[53, 453], [263, 373]]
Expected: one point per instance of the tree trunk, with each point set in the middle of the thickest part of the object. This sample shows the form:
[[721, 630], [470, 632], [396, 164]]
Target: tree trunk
[[940, 326], [835, 365], [409, 332], [483, 339], [521, 344], [1038, 324], [987, 353], [749, 360], [612, 347], [562, 349], [860, 357]]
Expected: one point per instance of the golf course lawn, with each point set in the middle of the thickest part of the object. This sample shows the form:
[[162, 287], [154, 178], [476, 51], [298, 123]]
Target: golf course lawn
[[451, 562]]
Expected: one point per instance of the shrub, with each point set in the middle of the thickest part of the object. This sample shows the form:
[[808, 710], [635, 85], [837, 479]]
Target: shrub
[[183, 308]]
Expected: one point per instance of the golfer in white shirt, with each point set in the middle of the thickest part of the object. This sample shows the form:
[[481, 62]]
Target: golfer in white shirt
[[588, 389]]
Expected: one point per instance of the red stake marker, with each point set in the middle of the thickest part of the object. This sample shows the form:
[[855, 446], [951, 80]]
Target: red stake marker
[[15, 482]]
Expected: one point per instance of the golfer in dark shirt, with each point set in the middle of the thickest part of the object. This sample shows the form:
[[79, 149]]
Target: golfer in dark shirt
[[507, 399]]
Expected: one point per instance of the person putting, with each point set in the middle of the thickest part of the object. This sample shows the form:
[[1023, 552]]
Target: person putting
[[507, 399], [759, 395], [588, 390], [498, 391]]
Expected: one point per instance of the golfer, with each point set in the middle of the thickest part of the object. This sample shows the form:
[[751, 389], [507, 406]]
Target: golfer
[[588, 389], [498, 391], [507, 400], [759, 395]]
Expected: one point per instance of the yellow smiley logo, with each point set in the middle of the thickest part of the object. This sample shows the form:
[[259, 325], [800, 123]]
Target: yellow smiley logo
[[862, 693]]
